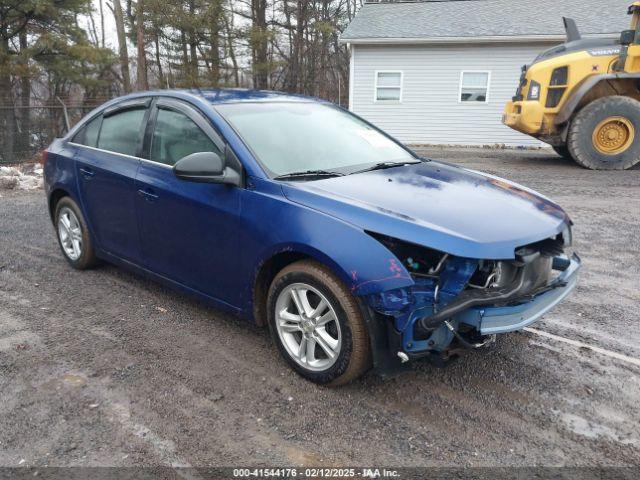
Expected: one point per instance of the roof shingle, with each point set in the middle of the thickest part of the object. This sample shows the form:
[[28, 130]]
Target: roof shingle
[[485, 18]]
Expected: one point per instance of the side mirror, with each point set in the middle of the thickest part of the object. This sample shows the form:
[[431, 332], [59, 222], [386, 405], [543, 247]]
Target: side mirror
[[627, 37], [206, 167]]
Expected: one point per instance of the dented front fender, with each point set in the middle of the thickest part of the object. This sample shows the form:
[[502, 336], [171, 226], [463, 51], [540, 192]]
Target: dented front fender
[[273, 225]]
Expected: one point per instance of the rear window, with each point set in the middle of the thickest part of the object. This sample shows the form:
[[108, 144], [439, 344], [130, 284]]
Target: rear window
[[120, 132]]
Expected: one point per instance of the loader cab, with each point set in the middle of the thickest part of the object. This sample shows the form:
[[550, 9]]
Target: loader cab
[[630, 40], [634, 11], [631, 36]]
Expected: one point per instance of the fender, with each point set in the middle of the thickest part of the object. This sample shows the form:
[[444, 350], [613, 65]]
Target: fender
[[56, 173], [365, 265], [570, 106]]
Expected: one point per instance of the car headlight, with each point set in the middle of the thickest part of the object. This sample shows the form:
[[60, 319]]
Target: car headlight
[[534, 91], [417, 259]]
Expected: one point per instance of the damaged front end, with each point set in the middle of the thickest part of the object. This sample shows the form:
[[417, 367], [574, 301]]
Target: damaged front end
[[457, 303]]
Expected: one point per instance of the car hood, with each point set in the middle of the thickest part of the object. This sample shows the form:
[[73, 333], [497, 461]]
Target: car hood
[[441, 206]]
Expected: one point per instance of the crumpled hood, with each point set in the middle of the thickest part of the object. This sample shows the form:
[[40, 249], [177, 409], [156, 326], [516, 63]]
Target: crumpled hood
[[441, 206]]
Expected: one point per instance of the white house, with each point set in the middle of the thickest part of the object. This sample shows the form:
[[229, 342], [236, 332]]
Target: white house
[[440, 72]]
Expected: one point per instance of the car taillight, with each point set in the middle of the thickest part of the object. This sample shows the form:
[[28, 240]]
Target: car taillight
[[43, 157]]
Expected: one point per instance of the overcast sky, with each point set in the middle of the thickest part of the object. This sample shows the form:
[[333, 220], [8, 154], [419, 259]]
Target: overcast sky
[[109, 23]]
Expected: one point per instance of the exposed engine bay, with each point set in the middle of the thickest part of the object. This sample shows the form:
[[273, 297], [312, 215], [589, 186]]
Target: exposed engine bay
[[445, 309]]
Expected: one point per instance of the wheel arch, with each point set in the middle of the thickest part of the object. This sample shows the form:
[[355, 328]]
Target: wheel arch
[[619, 152], [276, 261], [55, 196], [595, 87]]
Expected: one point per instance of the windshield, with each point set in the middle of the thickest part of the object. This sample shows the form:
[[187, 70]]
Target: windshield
[[303, 137]]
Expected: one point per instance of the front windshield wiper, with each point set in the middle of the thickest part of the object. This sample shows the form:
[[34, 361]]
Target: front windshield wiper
[[384, 165], [308, 174]]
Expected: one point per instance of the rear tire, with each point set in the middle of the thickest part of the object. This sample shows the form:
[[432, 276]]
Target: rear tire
[[336, 340], [604, 134], [73, 235]]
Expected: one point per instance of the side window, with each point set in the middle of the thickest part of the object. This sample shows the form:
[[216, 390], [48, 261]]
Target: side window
[[88, 135], [120, 132], [177, 136]]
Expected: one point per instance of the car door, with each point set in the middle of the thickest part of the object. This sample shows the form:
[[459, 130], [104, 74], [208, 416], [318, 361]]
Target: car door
[[106, 165], [188, 230]]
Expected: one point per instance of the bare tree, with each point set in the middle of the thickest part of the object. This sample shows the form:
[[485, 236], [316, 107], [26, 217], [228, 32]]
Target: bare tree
[[123, 53], [259, 41], [142, 80], [102, 33]]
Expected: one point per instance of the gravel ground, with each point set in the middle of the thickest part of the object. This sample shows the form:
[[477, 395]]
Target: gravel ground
[[105, 368]]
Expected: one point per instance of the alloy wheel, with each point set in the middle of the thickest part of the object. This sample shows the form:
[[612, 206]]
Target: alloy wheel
[[70, 233], [308, 327]]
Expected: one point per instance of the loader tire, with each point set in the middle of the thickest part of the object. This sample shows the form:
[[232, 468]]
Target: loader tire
[[605, 135]]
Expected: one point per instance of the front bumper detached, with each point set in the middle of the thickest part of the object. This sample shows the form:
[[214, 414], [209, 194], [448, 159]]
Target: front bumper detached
[[493, 320], [485, 320]]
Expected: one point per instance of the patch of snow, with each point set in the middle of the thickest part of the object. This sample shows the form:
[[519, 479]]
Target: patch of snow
[[23, 177]]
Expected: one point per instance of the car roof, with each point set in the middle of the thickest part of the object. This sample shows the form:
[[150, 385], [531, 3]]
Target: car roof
[[217, 96], [233, 95]]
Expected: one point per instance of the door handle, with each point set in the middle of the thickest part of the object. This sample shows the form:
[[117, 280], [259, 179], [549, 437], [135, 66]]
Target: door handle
[[87, 173], [147, 194]]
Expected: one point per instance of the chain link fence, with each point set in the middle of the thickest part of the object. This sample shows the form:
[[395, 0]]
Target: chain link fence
[[26, 130]]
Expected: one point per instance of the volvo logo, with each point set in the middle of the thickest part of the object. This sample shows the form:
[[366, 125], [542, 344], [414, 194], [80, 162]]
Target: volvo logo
[[603, 52]]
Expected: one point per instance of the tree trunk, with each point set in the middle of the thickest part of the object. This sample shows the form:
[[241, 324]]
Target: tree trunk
[[228, 25], [216, 11], [259, 44], [185, 59], [122, 46], [193, 48], [297, 52], [102, 34], [25, 97], [142, 81], [7, 121], [93, 31], [289, 81], [160, 73]]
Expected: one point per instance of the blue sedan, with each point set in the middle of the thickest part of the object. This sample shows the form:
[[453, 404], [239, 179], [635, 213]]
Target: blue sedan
[[299, 215]]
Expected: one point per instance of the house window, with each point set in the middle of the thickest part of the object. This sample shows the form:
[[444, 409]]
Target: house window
[[388, 86], [474, 86]]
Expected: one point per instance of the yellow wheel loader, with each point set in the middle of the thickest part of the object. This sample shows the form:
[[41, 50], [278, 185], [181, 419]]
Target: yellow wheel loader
[[583, 98]]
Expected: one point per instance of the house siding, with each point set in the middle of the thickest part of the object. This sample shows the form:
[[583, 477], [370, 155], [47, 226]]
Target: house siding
[[430, 111]]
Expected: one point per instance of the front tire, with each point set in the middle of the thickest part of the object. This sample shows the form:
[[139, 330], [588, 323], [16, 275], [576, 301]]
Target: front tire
[[73, 235], [603, 135], [317, 324]]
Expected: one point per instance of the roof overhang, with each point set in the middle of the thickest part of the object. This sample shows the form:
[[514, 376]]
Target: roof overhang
[[470, 40]]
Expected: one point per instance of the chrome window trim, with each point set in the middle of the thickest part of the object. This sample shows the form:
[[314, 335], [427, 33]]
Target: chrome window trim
[[152, 162], [124, 155]]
